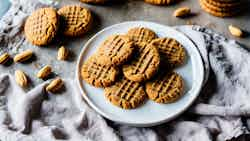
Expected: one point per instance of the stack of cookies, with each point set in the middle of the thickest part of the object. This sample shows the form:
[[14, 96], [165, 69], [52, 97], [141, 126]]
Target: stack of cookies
[[136, 66], [42, 26], [222, 8]]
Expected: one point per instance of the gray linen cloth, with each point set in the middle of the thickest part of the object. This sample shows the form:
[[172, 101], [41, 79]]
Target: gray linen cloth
[[220, 113]]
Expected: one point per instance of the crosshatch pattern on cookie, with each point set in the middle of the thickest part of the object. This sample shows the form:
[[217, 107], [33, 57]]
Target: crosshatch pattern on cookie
[[76, 20], [232, 4], [213, 12], [126, 94], [115, 50], [41, 26], [98, 75], [221, 9], [141, 34], [166, 88], [171, 50], [227, 1], [145, 63], [94, 1], [160, 2]]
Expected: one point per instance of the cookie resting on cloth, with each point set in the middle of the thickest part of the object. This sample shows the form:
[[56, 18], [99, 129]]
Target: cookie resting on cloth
[[41, 26]]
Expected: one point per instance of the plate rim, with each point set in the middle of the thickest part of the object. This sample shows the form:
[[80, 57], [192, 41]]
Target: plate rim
[[92, 105]]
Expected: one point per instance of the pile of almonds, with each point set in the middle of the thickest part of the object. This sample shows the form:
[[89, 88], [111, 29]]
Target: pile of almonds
[[22, 78]]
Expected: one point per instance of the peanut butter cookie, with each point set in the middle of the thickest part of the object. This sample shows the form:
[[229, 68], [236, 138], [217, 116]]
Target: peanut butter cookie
[[160, 2], [126, 94], [220, 7], [76, 20], [166, 88], [224, 4], [94, 1], [41, 26], [98, 75], [221, 11], [171, 51], [115, 50], [144, 64], [141, 34], [227, 1]]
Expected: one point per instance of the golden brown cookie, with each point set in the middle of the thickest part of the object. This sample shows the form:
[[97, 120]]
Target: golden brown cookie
[[220, 8], [141, 34], [165, 88], [98, 75], [171, 51], [76, 20], [126, 94], [144, 64], [232, 4], [115, 50], [226, 1], [94, 1], [219, 12], [160, 2], [41, 26]]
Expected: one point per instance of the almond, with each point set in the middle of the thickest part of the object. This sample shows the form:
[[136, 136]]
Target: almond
[[235, 31], [23, 56], [182, 12], [55, 85], [21, 78], [44, 72], [62, 53], [4, 58]]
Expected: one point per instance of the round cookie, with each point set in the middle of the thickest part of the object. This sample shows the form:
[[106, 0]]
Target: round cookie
[[94, 1], [171, 51], [220, 8], [144, 64], [76, 20], [227, 1], [165, 88], [98, 75], [224, 4], [160, 2], [208, 9], [115, 50], [41, 26], [141, 34], [126, 94]]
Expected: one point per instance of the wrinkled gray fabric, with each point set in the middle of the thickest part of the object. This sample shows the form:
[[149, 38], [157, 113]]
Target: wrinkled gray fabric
[[37, 115], [217, 114]]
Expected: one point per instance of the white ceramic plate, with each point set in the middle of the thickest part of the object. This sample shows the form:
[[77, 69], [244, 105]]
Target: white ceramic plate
[[150, 113]]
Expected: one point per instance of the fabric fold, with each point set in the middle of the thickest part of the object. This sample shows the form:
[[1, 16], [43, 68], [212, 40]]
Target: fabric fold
[[37, 115]]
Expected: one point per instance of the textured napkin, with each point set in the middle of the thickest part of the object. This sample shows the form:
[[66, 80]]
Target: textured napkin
[[220, 113]]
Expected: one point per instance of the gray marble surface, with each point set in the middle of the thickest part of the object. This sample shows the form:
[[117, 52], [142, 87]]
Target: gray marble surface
[[115, 13]]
